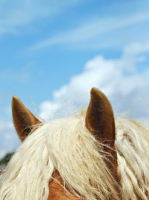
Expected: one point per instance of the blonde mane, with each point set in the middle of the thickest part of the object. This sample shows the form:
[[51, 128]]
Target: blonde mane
[[133, 159], [64, 145], [67, 146]]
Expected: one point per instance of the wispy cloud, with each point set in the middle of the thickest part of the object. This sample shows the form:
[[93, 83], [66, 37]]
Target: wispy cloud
[[20, 13], [93, 32]]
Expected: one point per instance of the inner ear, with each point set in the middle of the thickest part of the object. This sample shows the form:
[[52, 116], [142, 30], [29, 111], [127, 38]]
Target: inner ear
[[100, 118], [24, 121]]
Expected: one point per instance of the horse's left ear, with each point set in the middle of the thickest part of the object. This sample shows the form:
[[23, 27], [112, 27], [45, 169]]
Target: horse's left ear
[[24, 121], [100, 118]]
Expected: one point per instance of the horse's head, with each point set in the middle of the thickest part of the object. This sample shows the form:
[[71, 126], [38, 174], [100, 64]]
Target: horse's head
[[85, 168]]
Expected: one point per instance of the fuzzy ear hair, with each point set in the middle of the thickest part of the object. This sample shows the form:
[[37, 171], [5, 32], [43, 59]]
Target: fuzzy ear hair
[[23, 119], [100, 118]]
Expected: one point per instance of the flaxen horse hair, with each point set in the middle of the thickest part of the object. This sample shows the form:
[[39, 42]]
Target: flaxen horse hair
[[67, 146]]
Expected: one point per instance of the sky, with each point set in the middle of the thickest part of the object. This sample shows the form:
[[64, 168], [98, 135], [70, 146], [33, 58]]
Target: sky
[[53, 52]]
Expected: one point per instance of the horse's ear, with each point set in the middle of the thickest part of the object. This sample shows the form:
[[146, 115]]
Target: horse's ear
[[100, 122], [23, 119], [100, 118]]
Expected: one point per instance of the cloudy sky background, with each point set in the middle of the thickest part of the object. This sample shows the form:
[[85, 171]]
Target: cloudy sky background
[[53, 52]]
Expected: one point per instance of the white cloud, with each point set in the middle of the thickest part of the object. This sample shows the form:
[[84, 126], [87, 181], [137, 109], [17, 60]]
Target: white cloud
[[48, 108], [123, 80]]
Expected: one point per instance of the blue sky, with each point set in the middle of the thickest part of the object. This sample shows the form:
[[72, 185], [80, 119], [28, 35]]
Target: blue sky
[[53, 52]]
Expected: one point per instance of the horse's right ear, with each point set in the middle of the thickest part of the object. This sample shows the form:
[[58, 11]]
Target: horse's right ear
[[24, 121], [100, 118], [100, 122]]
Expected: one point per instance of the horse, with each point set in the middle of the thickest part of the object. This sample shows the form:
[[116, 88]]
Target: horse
[[90, 156]]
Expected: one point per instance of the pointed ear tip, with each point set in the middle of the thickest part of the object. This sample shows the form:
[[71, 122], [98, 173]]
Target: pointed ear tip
[[95, 91], [15, 98]]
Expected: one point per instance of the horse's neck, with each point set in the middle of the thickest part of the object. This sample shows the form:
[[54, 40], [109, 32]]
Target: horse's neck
[[57, 190]]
